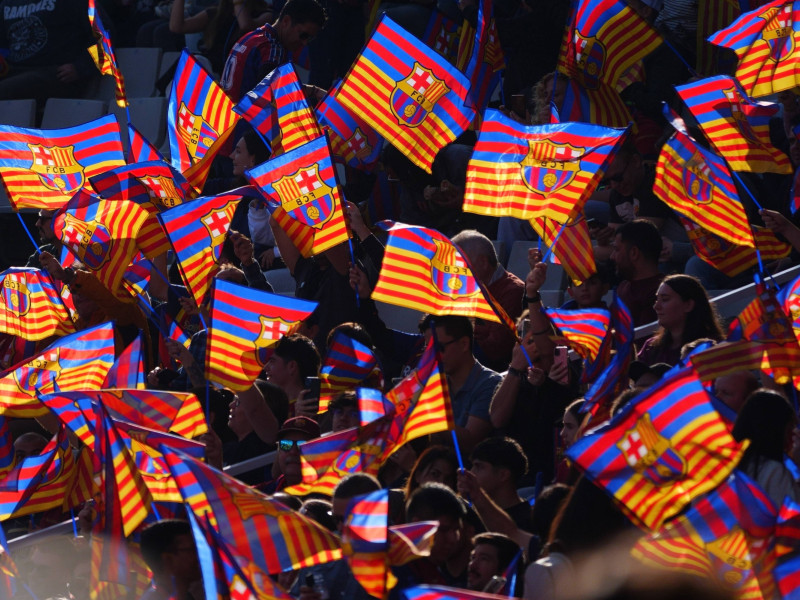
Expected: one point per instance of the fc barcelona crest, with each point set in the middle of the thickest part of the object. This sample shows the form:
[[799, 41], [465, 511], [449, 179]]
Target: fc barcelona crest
[[89, 241], [272, 329], [16, 296], [216, 223], [549, 167], [39, 374], [162, 191], [649, 453], [696, 179], [197, 135], [414, 97], [732, 569], [306, 197], [450, 274], [57, 168], [739, 118], [590, 55], [358, 148], [778, 32]]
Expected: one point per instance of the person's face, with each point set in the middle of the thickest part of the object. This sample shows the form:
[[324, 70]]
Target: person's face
[[439, 471], [28, 446], [241, 158], [345, 417], [44, 225], [181, 560], [84, 306], [446, 540], [452, 351], [590, 293], [289, 460], [620, 256], [489, 476], [671, 309], [277, 371], [732, 390], [237, 420], [295, 36], [569, 429], [483, 565]]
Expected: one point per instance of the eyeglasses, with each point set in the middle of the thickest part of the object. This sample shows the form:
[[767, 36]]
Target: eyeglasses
[[288, 445], [442, 346]]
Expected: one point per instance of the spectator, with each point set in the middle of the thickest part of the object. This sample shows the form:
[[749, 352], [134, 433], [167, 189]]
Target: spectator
[[492, 554], [168, 549], [287, 469], [733, 389], [294, 359]]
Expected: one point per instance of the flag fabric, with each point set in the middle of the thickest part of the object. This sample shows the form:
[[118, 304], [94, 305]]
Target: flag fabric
[[787, 543], [103, 55], [44, 168], [666, 447], [481, 56], [423, 270], [136, 279], [6, 448], [571, 244], [353, 142], [264, 531], [9, 573], [441, 592], [726, 358], [196, 231], [128, 369], [303, 196], [696, 183], [583, 329], [723, 537], [30, 305], [529, 171], [244, 324], [348, 363], [153, 181], [411, 541], [737, 127], [278, 109], [200, 118], [711, 17], [442, 34], [764, 41], [601, 106], [409, 94], [140, 148], [77, 361], [365, 538]]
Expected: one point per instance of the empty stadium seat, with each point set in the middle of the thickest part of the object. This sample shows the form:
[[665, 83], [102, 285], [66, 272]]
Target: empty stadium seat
[[19, 113], [148, 115], [140, 69], [60, 113]]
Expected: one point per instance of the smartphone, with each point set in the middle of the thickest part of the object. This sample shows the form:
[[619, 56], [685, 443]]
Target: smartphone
[[561, 356], [312, 384], [523, 327]]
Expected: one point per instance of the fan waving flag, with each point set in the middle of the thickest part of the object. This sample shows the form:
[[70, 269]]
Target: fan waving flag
[[128, 369], [408, 93], [30, 305], [696, 183], [348, 363], [765, 41], [303, 195], [534, 171], [736, 126], [278, 109], [365, 540], [245, 323], [103, 55], [153, 181], [666, 447], [583, 329], [44, 168], [571, 244]]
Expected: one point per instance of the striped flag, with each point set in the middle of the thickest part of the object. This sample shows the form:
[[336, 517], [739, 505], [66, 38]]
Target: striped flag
[[571, 244], [128, 369], [245, 323], [30, 305], [407, 93], [365, 538], [737, 127], [441, 592], [584, 329], [154, 181], [480, 56], [44, 168], [103, 55], [442, 34], [787, 543], [348, 363], [141, 149], [600, 106], [530, 171], [304, 197]]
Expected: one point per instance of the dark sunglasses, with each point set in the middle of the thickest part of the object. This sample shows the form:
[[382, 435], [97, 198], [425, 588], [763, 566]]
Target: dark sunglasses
[[288, 445]]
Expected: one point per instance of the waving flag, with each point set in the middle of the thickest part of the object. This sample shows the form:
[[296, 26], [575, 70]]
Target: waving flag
[[303, 195], [666, 447], [267, 533], [77, 361], [696, 183], [422, 269], [348, 363], [736, 126], [352, 141], [30, 306], [407, 93], [365, 540], [103, 55], [245, 323], [200, 118], [787, 542], [528, 171], [481, 56], [141, 149], [442, 35], [154, 181], [601, 106], [571, 245], [136, 279], [128, 369], [764, 41], [278, 109], [583, 329], [441, 592], [44, 168], [197, 230]]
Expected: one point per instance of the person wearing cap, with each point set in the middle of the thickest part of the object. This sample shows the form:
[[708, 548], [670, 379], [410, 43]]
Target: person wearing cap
[[287, 469]]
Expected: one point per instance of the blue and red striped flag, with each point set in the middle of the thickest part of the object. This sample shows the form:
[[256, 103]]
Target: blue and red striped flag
[[696, 183], [441, 592], [128, 369], [30, 305], [410, 541], [44, 168], [304, 197], [442, 35], [6, 448], [665, 448], [529, 171], [278, 109], [136, 279], [348, 363], [365, 539], [794, 195], [584, 329], [764, 41], [196, 231], [154, 181], [103, 55], [353, 142], [141, 149], [601, 106], [571, 244], [735, 125], [245, 323], [200, 118], [787, 549], [480, 56], [407, 93]]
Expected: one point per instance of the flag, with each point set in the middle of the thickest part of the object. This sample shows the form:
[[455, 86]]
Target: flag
[[441, 592], [200, 118], [764, 41], [278, 109], [480, 56], [442, 34], [583, 329], [411, 541], [153, 182], [77, 361], [141, 149], [196, 231], [696, 183], [303, 196], [137, 276], [9, 573], [245, 323], [666, 447], [30, 306], [726, 358], [600, 106], [348, 363], [264, 531], [352, 141], [44, 168], [409, 94], [712, 16], [787, 543], [423, 270], [571, 245], [103, 55], [737, 127], [128, 369], [723, 537], [529, 171], [365, 538]]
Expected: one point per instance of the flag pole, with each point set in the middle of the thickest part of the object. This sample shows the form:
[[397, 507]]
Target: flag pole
[[25, 227]]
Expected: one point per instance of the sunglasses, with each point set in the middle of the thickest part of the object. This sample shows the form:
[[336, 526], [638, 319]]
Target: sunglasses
[[288, 445]]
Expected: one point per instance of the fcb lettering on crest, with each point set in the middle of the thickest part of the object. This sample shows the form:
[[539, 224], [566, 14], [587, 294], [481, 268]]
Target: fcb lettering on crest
[[89, 241], [306, 197], [740, 119], [778, 32], [162, 190], [57, 168], [649, 453], [549, 167], [39, 374], [450, 274], [197, 135], [414, 97], [16, 296], [730, 567], [697, 180], [590, 55]]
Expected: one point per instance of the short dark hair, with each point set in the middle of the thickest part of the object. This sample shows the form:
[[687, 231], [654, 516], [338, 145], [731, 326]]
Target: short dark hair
[[432, 500], [455, 326], [346, 399], [642, 234], [503, 452], [255, 146], [302, 350], [304, 11], [355, 484], [275, 397], [506, 548], [159, 537], [320, 511], [352, 330]]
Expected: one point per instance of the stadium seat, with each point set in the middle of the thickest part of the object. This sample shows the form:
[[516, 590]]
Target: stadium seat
[[281, 281], [19, 113], [399, 317], [553, 289], [60, 113], [140, 69], [148, 115]]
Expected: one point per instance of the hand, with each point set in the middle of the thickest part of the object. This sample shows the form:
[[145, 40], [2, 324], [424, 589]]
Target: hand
[[189, 305], [242, 248], [535, 278], [356, 220], [467, 484], [603, 235], [518, 359], [213, 448], [773, 220], [559, 372], [86, 517], [666, 249], [179, 352], [306, 405], [536, 376], [359, 281], [67, 73], [266, 258], [152, 378], [51, 265]]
